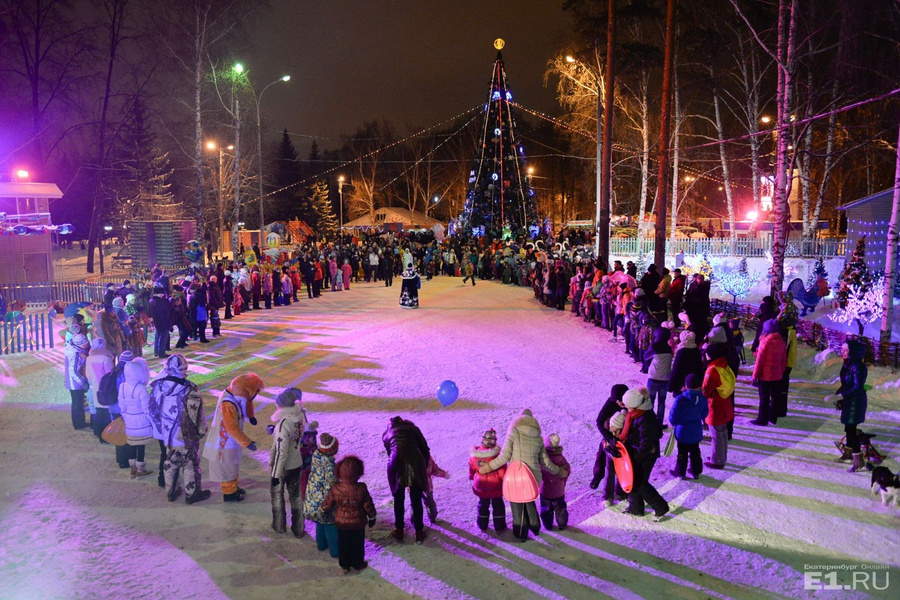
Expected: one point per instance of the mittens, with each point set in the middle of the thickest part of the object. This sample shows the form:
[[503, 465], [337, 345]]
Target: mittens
[[252, 447], [253, 420]]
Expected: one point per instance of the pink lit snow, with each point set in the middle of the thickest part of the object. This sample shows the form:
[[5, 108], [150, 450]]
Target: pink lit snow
[[73, 525]]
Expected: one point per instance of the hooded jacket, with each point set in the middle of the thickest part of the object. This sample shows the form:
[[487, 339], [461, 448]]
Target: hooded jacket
[[853, 386], [285, 454], [321, 478], [176, 408], [350, 500], [524, 443], [687, 360], [610, 407], [409, 454], [771, 357], [687, 414], [487, 486], [99, 362], [76, 352], [660, 368], [134, 402], [718, 385]]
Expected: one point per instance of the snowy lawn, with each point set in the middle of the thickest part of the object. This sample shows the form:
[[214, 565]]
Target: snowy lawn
[[72, 525]]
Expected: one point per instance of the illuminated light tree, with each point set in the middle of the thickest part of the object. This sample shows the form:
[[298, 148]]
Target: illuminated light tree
[[738, 282], [326, 223], [862, 304], [499, 197], [856, 273]]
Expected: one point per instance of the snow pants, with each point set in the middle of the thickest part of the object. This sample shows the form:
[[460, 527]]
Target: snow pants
[[685, 452], [554, 507], [643, 491], [768, 392], [77, 397], [182, 465], [525, 517], [327, 538], [290, 483], [719, 438], [603, 466], [485, 505], [352, 548]]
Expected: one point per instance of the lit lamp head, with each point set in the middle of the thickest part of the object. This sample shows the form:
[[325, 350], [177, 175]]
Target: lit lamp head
[[22, 174]]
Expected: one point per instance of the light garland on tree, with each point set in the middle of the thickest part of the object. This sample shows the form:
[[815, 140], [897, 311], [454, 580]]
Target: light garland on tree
[[738, 282], [862, 305]]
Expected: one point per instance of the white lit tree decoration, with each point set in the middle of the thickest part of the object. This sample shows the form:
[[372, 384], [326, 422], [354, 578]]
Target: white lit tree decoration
[[738, 282], [862, 305]]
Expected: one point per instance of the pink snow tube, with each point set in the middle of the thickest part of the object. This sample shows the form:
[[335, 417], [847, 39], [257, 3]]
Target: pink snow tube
[[519, 484]]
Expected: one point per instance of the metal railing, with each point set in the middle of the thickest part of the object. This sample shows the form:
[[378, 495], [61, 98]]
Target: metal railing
[[749, 247], [26, 333], [45, 292]]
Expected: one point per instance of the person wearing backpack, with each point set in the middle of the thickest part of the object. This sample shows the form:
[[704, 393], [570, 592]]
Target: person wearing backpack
[[176, 410]]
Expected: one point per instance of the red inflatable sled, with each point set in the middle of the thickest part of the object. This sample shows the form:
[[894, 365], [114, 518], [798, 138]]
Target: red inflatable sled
[[624, 470], [519, 484]]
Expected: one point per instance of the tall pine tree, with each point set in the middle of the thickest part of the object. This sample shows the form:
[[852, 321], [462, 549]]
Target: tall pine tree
[[313, 161], [326, 224], [288, 203]]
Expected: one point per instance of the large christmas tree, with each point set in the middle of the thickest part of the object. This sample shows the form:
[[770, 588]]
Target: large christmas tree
[[856, 274], [499, 198]]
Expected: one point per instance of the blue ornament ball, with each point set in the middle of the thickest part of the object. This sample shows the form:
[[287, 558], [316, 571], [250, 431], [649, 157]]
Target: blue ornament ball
[[447, 393]]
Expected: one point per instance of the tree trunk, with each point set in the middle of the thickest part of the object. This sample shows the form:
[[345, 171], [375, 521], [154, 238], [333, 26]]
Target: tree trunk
[[236, 215], [659, 253], [805, 160], [199, 35], [645, 152], [676, 160], [787, 24], [890, 259], [726, 173], [608, 101], [829, 159]]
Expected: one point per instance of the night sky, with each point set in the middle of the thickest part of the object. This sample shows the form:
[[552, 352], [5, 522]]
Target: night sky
[[413, 63]]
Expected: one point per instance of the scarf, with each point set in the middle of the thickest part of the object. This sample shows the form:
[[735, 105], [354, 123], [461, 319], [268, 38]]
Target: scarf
[[630, 416]]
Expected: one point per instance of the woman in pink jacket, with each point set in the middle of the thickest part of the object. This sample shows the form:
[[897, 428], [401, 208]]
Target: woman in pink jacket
[[771, 358]]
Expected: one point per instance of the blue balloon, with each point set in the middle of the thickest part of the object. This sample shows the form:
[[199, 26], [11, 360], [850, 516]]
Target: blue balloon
[[447, 393]]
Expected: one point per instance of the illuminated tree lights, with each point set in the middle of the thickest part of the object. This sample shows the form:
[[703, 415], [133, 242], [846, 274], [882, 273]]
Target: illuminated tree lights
[[862, 304]]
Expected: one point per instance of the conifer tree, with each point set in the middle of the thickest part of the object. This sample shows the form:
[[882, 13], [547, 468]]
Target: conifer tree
[[287, 203], [855, 275], [326, 224]]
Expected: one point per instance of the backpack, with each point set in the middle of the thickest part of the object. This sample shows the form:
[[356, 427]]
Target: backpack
[[108, 390]]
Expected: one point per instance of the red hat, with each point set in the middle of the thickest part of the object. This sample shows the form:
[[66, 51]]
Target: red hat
[[328, 444]]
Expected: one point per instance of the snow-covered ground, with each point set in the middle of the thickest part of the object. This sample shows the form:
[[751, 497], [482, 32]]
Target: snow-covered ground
[[72, 525]]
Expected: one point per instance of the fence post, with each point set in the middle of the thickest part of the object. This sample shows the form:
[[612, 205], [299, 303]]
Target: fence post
[[50, 331]]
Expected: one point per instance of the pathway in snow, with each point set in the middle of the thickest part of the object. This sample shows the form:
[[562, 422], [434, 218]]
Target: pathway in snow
[[68, 513]]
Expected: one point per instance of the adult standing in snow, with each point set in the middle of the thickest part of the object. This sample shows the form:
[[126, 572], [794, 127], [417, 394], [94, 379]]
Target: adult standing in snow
[[286, 461], [225, 444], [640, 434], [409, 290], [851, 398], [603, 463], [177, 411], [76, 353], [524, 443], [99, 362], [767, 310], [407, 468], [768, 371]]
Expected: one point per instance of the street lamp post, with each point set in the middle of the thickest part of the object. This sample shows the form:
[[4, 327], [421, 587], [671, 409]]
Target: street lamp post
[[340, 203], [220, 191], [262, 217]]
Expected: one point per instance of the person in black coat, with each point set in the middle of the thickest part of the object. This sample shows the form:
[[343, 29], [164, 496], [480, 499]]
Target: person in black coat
[[641, 435], [387, 267], [767, 310], [851, 398], [687, 361], [228, 294], [161, 315], [407, 467], [607, 450]]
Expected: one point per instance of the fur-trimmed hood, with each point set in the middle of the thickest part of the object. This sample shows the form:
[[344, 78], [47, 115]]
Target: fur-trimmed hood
[[482, 452], [527, 425], [291, 413]]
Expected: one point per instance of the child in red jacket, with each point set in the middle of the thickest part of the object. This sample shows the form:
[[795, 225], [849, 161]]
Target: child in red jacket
[[553, 487], [431, 472], [488, 488]]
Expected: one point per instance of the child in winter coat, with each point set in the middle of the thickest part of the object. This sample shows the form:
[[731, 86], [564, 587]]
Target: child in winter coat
[[553, 487], [346, 274], [309, 441], [134, 402], [321, 478], [603, 464], [267, 290], [718, 386], [431, 472], [489, 487], [686, 416], [353, 509], [768, 370], [659, 370], [285, 460]]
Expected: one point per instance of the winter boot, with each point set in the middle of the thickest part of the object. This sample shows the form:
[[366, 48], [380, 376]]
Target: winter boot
[[858, 462], [235, 497], [420, 537], [297, 523], [132, 462], [595, 482], [278, 515], [846, 453], [141, 470], [199, 496], [397, 534]]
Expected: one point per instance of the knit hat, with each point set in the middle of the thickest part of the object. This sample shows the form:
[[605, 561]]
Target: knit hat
[[688, 340], [126, 356], [637, 398], [489, 439], [639, 293], [527, 413], [98, 343], [312, 427], [618, 390], [328, 444], [683, 317], [126, 283], [617, 421], [288, 397], [109, 286], [770, 326], [668, 325], [118, 302], [74, 328], [717, 335], [553, 440], [692, 381], [130, 298], [176, 366], [719, 319]]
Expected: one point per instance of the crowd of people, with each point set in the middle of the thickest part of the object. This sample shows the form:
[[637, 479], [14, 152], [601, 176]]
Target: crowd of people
[[662, 318]]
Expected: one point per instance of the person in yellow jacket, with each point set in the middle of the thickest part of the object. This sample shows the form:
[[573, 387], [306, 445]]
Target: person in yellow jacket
[[226, 441]]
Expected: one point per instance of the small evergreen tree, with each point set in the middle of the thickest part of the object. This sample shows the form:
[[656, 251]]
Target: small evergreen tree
[[855, 275], [818, 269], [326, 224]]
